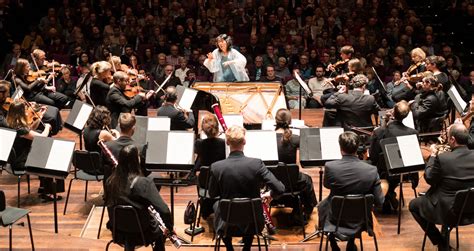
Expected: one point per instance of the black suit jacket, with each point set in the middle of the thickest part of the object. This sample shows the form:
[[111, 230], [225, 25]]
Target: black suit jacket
[[348, 176], [118, 103], [178, 120], [240, 177], [428, 106], [115, 146], [354, 108], [447, 173], [99, 91]]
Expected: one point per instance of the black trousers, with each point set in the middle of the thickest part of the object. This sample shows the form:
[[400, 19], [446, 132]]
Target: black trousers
[[430, 228], [56, 99], [247, 240]]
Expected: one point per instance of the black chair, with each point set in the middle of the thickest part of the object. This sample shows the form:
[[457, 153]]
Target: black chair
[[288, 175], [461, 213], [203, 193], [348, 212], [129, 222], [10, 215], [241, 211], [18, 173], [87, 168]]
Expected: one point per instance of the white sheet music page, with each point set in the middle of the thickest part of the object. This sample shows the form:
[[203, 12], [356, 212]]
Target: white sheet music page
[[261, 144], [410, 150], [82, 116], [159, 124], [458, 101], [268, 125], [330, 143], [408, 121], [232, 120], [187, 99], [60, 155], [7, 138], [180, 148], [302, 83]]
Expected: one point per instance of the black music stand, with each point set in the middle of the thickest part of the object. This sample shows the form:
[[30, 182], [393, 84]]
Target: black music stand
[[170, 151], [186, 97], [402, 155], [77, 118], [8, 138], [51, 158], [317, 146], [146, 124]]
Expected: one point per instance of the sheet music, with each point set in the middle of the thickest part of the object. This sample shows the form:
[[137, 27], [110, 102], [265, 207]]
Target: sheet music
[[330, 143], [7, 137], [187, 99], [457, 100], [180, 148], [159, 124], [82, 116], [233, 119], [262, 145], [410, 150], [408, 121], [268, 124], [60, 155], [302, 83]]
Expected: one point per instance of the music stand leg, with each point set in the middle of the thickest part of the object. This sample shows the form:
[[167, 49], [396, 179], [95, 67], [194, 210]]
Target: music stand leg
[[300, 104], [172, 211], [312, 235], [400, 198], [55, 203], [321, 172]]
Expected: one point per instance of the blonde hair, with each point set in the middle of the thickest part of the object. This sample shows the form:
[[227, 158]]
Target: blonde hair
[[418, 52], [38, 52], [235, 136], [210, 126], [100, 67]]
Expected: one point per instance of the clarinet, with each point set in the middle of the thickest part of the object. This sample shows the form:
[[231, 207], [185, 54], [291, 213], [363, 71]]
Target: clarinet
[[268, 219], [107, 152], [217, 111], [170, 234]]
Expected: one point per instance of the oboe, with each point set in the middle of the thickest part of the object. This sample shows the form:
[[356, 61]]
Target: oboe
[[217, 111], [268, 219], [170, 234], [107, 152]]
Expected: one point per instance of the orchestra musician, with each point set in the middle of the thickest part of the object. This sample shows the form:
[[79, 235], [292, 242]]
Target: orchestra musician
[[342, 66], [239, 176], [19, 120], [98, 128], [4, 94], [288, 148], [118, 102], [226, 63], [128, 186], [180, 118], [359, 178], [434, 64], [405, 88], [446, 173], [354, 108], [393, 128], [100, 84], [173, 81], [429, 105]]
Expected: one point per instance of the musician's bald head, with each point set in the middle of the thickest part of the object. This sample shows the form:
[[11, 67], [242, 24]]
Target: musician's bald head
[[401, 110], [170, 94], [458, 135]]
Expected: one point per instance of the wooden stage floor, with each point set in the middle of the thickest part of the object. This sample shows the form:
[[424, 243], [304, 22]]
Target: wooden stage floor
[[71, 225]]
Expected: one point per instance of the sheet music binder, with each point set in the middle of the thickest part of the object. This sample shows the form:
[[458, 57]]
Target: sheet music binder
[[142, 124], [313, 150], [50, 157], [170, 151], [459, 103], [7, 137], [393, 156], [78, 116], [261, 145]]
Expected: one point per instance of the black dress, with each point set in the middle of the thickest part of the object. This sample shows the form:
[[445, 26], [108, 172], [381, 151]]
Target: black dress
[[99, 90], [209, 151], [91, 137]]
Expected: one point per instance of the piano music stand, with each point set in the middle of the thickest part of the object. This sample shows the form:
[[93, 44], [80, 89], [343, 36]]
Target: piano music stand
[[317, 146], [77, 118], [402, 155], [51, 158], [165, 155]]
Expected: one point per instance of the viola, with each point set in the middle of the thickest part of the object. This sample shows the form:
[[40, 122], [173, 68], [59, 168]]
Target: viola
[[133, 90], [34, 75]]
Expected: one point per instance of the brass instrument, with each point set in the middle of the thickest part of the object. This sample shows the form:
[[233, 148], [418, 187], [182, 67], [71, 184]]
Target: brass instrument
[[443, 145]]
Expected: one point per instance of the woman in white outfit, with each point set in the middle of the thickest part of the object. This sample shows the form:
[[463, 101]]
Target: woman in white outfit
[[226, 63]]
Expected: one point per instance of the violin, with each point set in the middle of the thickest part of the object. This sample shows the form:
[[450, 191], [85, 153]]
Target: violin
[[338, 79], [412, 68], [338, 64], [34, 75], [133, 90]]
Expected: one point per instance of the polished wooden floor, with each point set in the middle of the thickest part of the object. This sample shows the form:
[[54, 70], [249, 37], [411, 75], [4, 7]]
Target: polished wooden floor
[[71, 225]]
